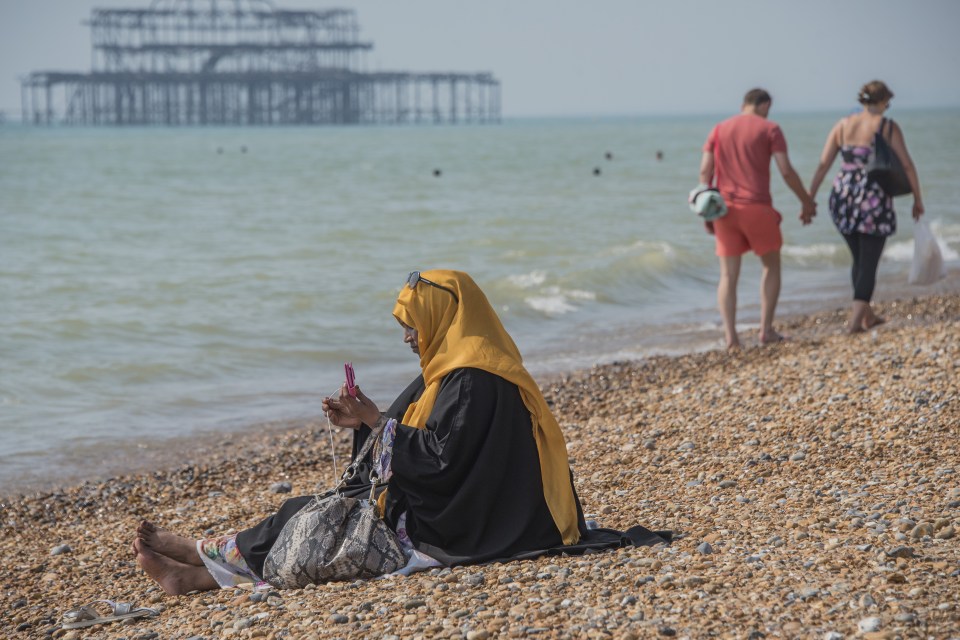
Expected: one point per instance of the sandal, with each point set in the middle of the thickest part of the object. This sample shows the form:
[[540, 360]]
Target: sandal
[[87, 615]]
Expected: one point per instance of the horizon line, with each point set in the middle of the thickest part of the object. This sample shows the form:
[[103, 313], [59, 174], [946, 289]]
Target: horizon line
[[18, 120]]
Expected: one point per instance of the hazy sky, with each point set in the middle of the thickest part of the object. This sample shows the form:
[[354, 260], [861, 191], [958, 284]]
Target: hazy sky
[[572, 57]]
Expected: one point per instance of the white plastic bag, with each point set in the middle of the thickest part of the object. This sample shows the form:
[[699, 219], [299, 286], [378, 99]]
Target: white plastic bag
[[927, 266]]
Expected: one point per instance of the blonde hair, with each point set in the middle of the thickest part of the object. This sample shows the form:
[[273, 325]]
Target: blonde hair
[[874, 92]]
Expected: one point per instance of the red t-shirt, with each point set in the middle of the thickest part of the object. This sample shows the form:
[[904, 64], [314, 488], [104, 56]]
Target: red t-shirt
[[742, 147]]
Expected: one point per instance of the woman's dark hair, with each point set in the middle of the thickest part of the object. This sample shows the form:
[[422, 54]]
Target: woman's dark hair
[[756, 97], [874, 92]]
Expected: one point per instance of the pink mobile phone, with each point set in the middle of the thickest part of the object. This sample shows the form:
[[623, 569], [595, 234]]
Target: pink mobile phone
[[351, 379]]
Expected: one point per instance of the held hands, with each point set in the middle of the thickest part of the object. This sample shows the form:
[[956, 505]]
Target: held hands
[[808, 212], [349, 412]]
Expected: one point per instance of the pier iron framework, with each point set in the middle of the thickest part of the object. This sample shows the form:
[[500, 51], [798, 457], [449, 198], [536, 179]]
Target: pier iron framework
[[245, 62]]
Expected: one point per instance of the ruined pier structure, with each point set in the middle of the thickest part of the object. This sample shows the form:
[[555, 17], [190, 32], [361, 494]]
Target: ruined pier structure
[[245, 62]]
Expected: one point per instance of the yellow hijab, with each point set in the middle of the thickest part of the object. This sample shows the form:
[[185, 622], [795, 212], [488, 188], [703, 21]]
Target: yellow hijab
[[469, 334]]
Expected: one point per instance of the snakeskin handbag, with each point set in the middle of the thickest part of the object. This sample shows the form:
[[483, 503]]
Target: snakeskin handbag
[[335, 537]]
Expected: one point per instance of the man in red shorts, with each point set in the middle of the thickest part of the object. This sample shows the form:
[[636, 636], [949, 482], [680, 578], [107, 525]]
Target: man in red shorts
[[736, 159]]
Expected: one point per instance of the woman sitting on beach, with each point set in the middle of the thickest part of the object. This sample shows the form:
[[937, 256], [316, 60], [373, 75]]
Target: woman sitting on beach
[[479, 469], [861, 210]]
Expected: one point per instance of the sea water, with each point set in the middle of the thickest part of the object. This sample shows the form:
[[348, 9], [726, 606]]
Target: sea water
[[161, 284]]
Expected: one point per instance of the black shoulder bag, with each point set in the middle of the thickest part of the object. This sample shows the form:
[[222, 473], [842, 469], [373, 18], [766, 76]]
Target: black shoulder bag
[[885, 167]]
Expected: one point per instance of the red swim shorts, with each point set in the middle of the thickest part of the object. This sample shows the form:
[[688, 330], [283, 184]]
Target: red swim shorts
[[748, 227]]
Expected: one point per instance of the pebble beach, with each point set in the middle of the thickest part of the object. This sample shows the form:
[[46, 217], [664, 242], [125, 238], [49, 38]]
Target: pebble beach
[[813, 488]]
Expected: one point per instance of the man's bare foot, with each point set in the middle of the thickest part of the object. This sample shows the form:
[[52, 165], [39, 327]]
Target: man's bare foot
[[176, 578], [771, 337], [734, 346], [852, 330], [870, 323], [168, 544]]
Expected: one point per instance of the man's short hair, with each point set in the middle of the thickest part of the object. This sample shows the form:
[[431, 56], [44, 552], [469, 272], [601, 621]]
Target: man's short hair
[[756, 97]]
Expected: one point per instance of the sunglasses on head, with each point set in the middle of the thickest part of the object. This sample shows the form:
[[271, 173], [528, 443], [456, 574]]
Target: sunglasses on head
[[415, 277]]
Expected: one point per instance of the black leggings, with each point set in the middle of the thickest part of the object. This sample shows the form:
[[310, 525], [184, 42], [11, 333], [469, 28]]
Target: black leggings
[[866, 250]]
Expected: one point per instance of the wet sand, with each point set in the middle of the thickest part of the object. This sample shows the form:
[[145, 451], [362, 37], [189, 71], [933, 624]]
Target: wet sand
[[814, 487]]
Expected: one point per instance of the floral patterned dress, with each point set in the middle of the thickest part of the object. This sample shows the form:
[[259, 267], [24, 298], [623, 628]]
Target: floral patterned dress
[[859, 205]]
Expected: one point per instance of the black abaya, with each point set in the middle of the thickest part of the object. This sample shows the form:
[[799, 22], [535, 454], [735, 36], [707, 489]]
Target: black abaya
[[469, 481]]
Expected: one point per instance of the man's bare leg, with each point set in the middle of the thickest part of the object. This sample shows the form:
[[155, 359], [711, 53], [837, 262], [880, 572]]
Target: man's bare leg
[[727, 298], [176, 578], [769, 295], [168, 544]]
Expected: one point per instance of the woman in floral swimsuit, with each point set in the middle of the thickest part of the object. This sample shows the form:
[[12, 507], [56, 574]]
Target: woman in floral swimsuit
[[861, 210]]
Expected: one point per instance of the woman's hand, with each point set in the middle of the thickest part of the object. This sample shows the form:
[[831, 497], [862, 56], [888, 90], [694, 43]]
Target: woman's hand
[[917, 208], [349, 412]]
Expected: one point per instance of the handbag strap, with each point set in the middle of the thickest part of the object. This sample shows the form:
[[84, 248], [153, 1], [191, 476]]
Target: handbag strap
[[351, 470], [883, 125]]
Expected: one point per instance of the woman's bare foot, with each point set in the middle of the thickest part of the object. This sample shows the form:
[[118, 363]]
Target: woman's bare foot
[[852, 330], [168, 544], [176, 578], [771, 337], [862, 318]]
